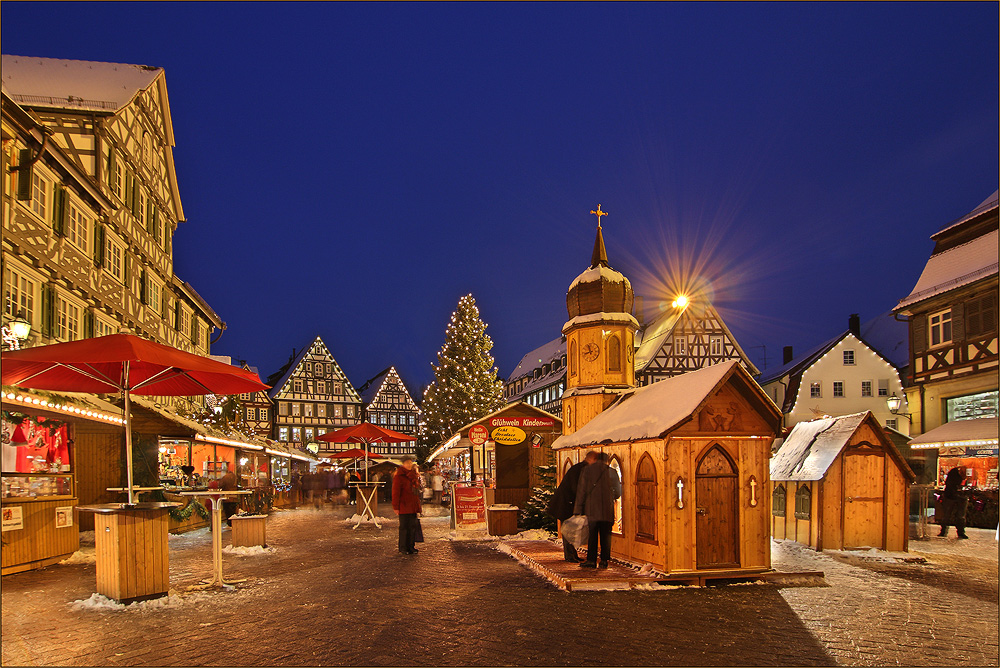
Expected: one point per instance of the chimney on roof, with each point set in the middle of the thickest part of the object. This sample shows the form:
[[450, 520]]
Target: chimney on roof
[[786, 355], [854, 324]]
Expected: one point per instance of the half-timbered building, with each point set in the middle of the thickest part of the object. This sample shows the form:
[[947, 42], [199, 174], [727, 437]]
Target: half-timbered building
[[257, 409], [387, 403], [312, 395], [952, 314], [91, 205], [539, 379]]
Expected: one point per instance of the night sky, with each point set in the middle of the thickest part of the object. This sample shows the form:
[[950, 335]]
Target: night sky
[[351, 170]]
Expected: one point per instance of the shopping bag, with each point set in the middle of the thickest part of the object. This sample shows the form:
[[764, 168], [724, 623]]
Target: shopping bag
[[576, 530], [419, 533]]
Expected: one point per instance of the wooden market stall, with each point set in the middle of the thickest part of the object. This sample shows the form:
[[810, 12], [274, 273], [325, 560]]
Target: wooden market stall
[[508, 445], [839, 483], [47, 445], [693, 455]]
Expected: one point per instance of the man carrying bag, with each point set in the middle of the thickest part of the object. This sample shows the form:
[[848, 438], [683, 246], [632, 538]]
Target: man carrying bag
[[561, 508], [596, 493]]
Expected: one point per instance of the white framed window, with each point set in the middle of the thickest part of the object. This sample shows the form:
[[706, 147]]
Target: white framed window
[[147, 149], [892, 424], [114, 260], [866, 388], [838, 388], [103, 327], [307, 410], [67, 320], [39, 195], [140, 213], [153, 294], [296, 409], [309, 433], [283, 434], [680, 344], [296, 385], [940, 327], [185, 320], [262, 414], [251, 413], [883, 387], [321, 410], [350, 411], [715, 346], [19, 294], [321, 386], [296, 434], [282, 408], [337, 411], [815, 390], [338, 387], [849, 358], [77, 227]]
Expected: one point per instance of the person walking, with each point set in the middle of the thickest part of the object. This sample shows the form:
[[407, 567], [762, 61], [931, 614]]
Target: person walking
[[596, 492], [955, 503], [562, 502], [437, 483], [406, 503]]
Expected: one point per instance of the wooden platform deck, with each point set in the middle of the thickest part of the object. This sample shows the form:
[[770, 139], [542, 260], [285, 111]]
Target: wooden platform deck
[[546, 558]]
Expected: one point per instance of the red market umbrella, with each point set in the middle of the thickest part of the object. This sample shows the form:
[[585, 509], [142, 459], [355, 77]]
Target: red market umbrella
[[366, 433], [353, 453], [127, 364]]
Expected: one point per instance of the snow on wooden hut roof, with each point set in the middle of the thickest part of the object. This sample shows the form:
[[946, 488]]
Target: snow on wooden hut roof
[[654, 410], [956, 267], [812, 446], [74, 84]]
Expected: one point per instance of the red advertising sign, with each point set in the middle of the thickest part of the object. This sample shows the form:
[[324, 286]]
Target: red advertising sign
[[478, 434], [470, 508], [522, 422]]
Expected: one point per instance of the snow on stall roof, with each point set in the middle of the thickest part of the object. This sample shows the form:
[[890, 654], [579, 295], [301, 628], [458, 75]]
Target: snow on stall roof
[[958, 431], [595, 274], [75, 84], [650, 411], [956, 267], [812, 446]]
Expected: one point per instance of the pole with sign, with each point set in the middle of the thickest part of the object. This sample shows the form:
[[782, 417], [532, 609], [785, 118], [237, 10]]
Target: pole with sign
[[477, 436]]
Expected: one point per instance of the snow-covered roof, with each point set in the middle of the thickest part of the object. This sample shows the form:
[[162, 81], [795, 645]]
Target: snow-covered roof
[[990, 202], [597, 273], [370, 389], [543, 354], [977, 431], [812, 446], [653, 336], [956, 267], [654, 410], [74, 84], [601, 317]]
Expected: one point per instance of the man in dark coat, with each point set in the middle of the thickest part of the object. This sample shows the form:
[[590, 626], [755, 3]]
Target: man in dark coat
[[955, 503], [406, 503], [596, 492], [561, 505]]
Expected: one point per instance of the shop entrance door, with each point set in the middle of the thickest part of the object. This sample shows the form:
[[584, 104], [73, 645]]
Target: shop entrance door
[[864, 500], [717, 524]]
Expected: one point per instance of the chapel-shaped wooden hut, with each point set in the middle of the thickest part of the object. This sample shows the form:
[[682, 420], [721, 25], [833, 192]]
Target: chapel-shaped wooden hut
[[692, 452], [840, 483]]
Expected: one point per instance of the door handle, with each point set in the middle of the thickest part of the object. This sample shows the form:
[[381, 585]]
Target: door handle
[[702, 511]]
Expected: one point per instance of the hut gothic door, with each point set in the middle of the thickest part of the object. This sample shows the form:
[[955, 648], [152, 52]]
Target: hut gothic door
[[864, 500], [717, 523]]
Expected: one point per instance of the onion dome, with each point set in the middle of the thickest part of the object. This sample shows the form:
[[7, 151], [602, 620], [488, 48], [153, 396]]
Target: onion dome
[[599, 289]]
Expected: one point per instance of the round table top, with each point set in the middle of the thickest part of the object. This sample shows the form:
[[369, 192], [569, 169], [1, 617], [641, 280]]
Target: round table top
[[217, 492], [110, 508], [134, 489]]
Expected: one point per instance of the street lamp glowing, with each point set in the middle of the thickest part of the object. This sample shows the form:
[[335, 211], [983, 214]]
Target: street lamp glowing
[[680, 302], [20, 326], [893, 403]]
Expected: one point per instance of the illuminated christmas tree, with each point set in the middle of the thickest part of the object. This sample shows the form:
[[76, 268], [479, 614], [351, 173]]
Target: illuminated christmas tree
[[465, 385]]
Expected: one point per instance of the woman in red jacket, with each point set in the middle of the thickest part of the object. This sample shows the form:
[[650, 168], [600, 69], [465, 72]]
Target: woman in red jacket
[[406, 503]]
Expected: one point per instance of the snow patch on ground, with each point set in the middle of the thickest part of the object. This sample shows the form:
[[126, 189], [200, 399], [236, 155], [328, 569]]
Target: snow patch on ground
[[532, 534], [469, 536], [656, 586], [355, 518], [170, 601], [87, 539], [873, 554], [252, 551], [83, 556]]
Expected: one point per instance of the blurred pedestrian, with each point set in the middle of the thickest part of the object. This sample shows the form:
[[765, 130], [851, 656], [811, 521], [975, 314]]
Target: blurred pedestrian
[[437, 484], [562, 502], [955, 503], [596, 492], [406, 503]]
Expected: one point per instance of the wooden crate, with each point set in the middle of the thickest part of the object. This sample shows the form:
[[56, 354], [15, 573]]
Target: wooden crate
[[249, 530], [132, 556], [502, 521]]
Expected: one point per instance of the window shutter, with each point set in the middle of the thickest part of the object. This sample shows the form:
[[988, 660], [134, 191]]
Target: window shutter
[[143, 291], [127, 199], [112, 168], [155, 218], [24, 174], [136, 211], [127, 270], [167, 236], [919, 333], [958, 322], [164, 305], [88, 324], [48, 310], [193, 334], [98, 244], [59, 211], [177, 315]]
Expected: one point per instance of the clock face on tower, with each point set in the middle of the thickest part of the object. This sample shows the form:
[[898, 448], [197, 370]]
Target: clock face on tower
[[590, 352]]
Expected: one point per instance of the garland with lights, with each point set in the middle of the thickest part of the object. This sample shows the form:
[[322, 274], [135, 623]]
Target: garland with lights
[[16, 418], [182, 514]]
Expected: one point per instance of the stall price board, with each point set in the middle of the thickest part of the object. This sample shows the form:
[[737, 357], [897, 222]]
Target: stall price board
[[470, 508]]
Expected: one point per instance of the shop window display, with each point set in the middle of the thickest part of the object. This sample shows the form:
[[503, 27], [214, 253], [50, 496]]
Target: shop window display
[[36, 457]]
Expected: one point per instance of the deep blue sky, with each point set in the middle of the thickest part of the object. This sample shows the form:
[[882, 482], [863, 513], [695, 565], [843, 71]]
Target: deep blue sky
[[351, 170]]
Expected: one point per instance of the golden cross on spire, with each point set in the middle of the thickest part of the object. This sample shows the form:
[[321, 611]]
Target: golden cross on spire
[[599, 213]]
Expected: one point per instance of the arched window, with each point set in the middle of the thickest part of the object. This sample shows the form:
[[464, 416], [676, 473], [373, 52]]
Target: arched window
[[614, 353], [567, 465], [616, 465], [645, 499], [803, 503], [574, 359], [778, 501]]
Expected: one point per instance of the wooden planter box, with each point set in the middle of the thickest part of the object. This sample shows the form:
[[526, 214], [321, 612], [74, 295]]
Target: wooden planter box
[[249, 530]]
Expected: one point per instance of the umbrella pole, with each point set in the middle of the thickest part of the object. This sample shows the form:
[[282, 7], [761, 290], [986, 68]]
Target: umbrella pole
[[128, 439]]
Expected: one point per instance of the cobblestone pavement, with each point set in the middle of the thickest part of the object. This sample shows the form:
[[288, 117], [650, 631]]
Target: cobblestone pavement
[[329, 595]]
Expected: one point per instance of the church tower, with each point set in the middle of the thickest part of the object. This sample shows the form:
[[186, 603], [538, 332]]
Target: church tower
[[600, 338]]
